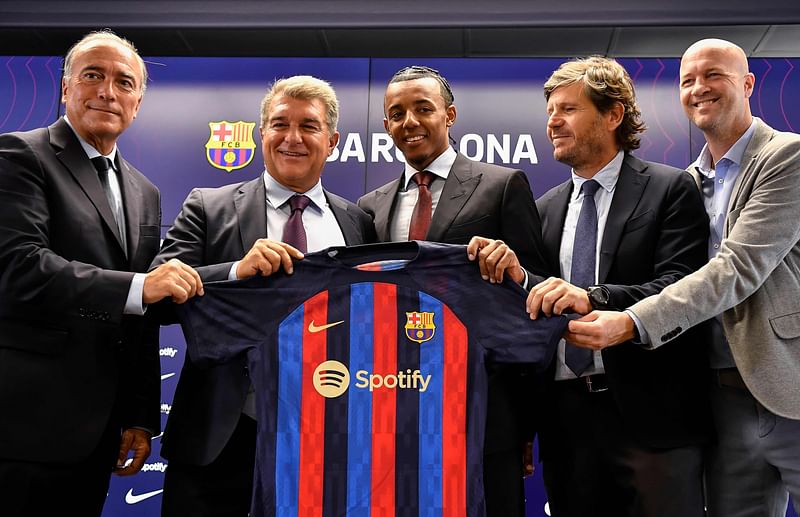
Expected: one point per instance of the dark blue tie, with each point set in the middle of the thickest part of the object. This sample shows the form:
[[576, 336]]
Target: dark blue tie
[[584, 253]]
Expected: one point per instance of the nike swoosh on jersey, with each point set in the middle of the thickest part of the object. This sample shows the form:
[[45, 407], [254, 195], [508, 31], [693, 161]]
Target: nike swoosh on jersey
[[167, 376], [314, 328], [132, 498]]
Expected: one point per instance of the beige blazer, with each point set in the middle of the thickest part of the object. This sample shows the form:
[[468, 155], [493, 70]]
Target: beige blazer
[[754, 280]]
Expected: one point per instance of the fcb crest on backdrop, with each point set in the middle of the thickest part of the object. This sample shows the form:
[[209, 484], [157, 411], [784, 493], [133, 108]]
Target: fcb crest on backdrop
[[419, 326], [230, 145]]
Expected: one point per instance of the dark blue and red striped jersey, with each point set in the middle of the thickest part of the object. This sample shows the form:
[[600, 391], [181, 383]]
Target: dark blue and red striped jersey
[[369, 369]]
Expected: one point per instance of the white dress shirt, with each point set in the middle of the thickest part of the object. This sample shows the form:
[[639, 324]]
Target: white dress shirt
[[322, 228], [409, 192]]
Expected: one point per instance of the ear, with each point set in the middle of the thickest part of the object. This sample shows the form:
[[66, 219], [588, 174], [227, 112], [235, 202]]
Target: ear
[[749, 84], [386, 125], [451, 115], [333, 142], [138, 105], [64, 87], [615, 115]]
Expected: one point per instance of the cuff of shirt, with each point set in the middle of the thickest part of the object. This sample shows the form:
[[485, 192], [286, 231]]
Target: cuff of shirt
[[232, 272], [134, 304], [525, 282], [642, 337]]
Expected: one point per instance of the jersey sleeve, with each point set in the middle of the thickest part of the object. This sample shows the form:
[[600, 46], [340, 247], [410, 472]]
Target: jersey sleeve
[[227, 321]]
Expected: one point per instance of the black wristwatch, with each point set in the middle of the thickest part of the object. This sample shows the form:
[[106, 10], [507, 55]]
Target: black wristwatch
[[598, 296]]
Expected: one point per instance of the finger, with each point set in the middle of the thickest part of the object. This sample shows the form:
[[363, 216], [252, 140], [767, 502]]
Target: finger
[[483, 253], [534, 303], [492, 255], [124, 447], [564, 303], [474, 246], [294, 252], [194, 278], [284, 253], [266, 263]]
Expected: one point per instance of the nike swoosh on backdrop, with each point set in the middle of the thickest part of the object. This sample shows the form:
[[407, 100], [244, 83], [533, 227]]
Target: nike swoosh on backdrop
[[132, 498], [167, 376], [314, 329]]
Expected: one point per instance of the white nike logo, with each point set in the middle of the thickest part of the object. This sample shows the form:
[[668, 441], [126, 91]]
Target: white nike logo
[[132, 498], [167, 376], [314, 329]]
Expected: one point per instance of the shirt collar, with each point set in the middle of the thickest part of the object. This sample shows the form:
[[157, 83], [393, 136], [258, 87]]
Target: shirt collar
[[440, 166], [734, 154], [277, 194], [90, 151], [606, 177]]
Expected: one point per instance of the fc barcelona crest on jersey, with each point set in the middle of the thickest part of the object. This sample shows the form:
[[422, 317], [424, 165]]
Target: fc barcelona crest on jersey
[[420, 326], [230, 145]]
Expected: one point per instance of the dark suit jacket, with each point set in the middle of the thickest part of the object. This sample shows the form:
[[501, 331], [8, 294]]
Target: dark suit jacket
[[656, 233], [494, 202], [215, 228], [69, 359], [477, 199]]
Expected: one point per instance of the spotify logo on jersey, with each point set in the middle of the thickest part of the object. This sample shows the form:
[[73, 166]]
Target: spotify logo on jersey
[[331, 379]]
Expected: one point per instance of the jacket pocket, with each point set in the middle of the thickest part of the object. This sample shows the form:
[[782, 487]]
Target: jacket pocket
[[786, 326], [149, 230], [34, 339]]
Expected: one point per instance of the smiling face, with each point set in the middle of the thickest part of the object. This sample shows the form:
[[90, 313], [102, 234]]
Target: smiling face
[[582, 136], [296, 141], [103, 94], [715, 86], [418, 120]]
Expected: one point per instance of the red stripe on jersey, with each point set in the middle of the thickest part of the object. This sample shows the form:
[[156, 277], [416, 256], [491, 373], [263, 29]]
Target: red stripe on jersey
[[384, 402], [312, 411], [454, 407]]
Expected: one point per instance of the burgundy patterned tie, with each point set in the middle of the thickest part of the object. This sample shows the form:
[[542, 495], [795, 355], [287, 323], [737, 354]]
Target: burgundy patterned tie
[[293, 232], [421, 217]]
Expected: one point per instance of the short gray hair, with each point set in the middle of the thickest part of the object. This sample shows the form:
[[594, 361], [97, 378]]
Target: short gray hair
[[106, 35], [304, 87]]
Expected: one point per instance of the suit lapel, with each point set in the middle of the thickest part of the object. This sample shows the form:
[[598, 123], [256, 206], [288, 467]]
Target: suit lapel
[[346, 220], [553, 217], [251, 210], [385, 198], [628, 192], [459, 186], [761, 135], [72, 155]]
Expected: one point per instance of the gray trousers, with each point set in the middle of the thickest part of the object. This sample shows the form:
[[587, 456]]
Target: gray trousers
[[755, 464]]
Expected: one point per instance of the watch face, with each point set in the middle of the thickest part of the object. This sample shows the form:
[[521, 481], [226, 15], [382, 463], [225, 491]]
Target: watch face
[[598, 296]]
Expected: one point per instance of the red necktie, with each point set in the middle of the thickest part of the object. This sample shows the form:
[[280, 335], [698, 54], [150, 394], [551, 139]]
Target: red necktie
[[421, 217], [293, 231]]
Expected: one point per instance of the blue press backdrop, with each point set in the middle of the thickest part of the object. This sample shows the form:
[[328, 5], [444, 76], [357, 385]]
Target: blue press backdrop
[[501, 119]]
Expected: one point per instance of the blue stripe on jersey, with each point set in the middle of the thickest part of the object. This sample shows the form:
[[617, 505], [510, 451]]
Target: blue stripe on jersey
[[287, 443], [431, 362], [359, 424]]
